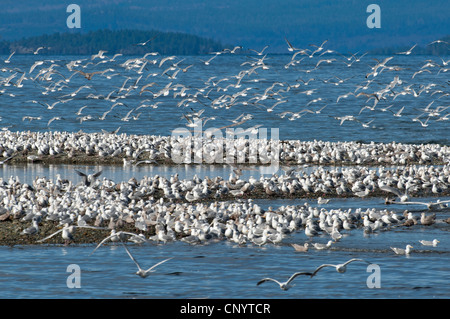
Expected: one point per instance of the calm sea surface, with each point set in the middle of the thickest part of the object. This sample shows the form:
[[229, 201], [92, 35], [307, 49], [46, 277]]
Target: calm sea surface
[[225, 270]]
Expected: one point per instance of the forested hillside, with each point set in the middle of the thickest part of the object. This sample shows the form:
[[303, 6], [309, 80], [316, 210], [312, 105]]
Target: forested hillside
[[119, 41]]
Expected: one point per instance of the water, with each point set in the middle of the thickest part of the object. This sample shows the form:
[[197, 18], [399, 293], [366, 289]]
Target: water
[[224, 270], [169, 116]]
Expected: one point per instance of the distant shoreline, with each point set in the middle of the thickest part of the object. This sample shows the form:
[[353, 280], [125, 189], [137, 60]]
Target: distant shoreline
[[127, 42]]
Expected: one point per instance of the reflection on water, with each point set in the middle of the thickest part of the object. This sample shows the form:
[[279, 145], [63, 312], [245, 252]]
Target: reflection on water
[[28, 172]]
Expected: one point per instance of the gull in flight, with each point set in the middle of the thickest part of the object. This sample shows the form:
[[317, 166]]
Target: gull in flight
[[141, 272], [99, 55], [88, 179], [117, 236], [319, 48], [430, 205], [290, 46], [145, 43], [260, 52], [53, 119], [38, 49], [207, 62], [37, 63], [403, 197], [88, 75], [6, 159], [67, 232], [340, 268], [409, 51], [285, 285], [9, 58], [270, 109]]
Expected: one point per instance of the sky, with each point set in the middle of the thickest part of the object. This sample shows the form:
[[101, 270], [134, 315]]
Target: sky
[[249, 23]]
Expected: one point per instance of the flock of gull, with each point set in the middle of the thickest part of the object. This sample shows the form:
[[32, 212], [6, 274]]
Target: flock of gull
[[104, 89], [164, 209]]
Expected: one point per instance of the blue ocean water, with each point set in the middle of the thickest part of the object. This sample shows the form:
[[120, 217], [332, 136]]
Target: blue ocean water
[[224, 270], [329, 82]]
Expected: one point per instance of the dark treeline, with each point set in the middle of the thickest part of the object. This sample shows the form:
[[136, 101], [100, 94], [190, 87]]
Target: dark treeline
[[439, 49], [121, 41]]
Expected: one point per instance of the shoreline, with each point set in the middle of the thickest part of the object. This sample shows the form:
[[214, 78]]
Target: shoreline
[[122, 149], [150, 198], [12, 226]]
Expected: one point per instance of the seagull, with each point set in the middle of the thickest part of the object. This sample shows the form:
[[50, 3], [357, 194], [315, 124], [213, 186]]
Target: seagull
[[145, 43], [320, 246], [403, 197], [67, 232], [207, 62], [37, 63], [270, 109], [9, 58], [284, 285], [166, 59], [88, 75], [260, 52], [6, 159], [33, 229], [438, 41], [340, 268], [144, 273], [80, 110], [88, 179], [433, 243], [409, 51], [427, 220], [300, 248], [290, 46], [319, 48], [53, 119], [38, 49], [115, 237], [401, 251], [99, 55]]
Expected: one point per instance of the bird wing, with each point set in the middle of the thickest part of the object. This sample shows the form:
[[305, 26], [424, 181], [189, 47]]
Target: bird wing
[[131, 256], [81, 173], [90, 227], [104, 240], [355, 259], [391, 190], [97, 174], [298, 274], [156, 265], [267, 279], [48, 237], [320, 267]]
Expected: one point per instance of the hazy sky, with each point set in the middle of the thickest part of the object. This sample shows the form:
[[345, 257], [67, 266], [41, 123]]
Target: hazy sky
[[251, 23]]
